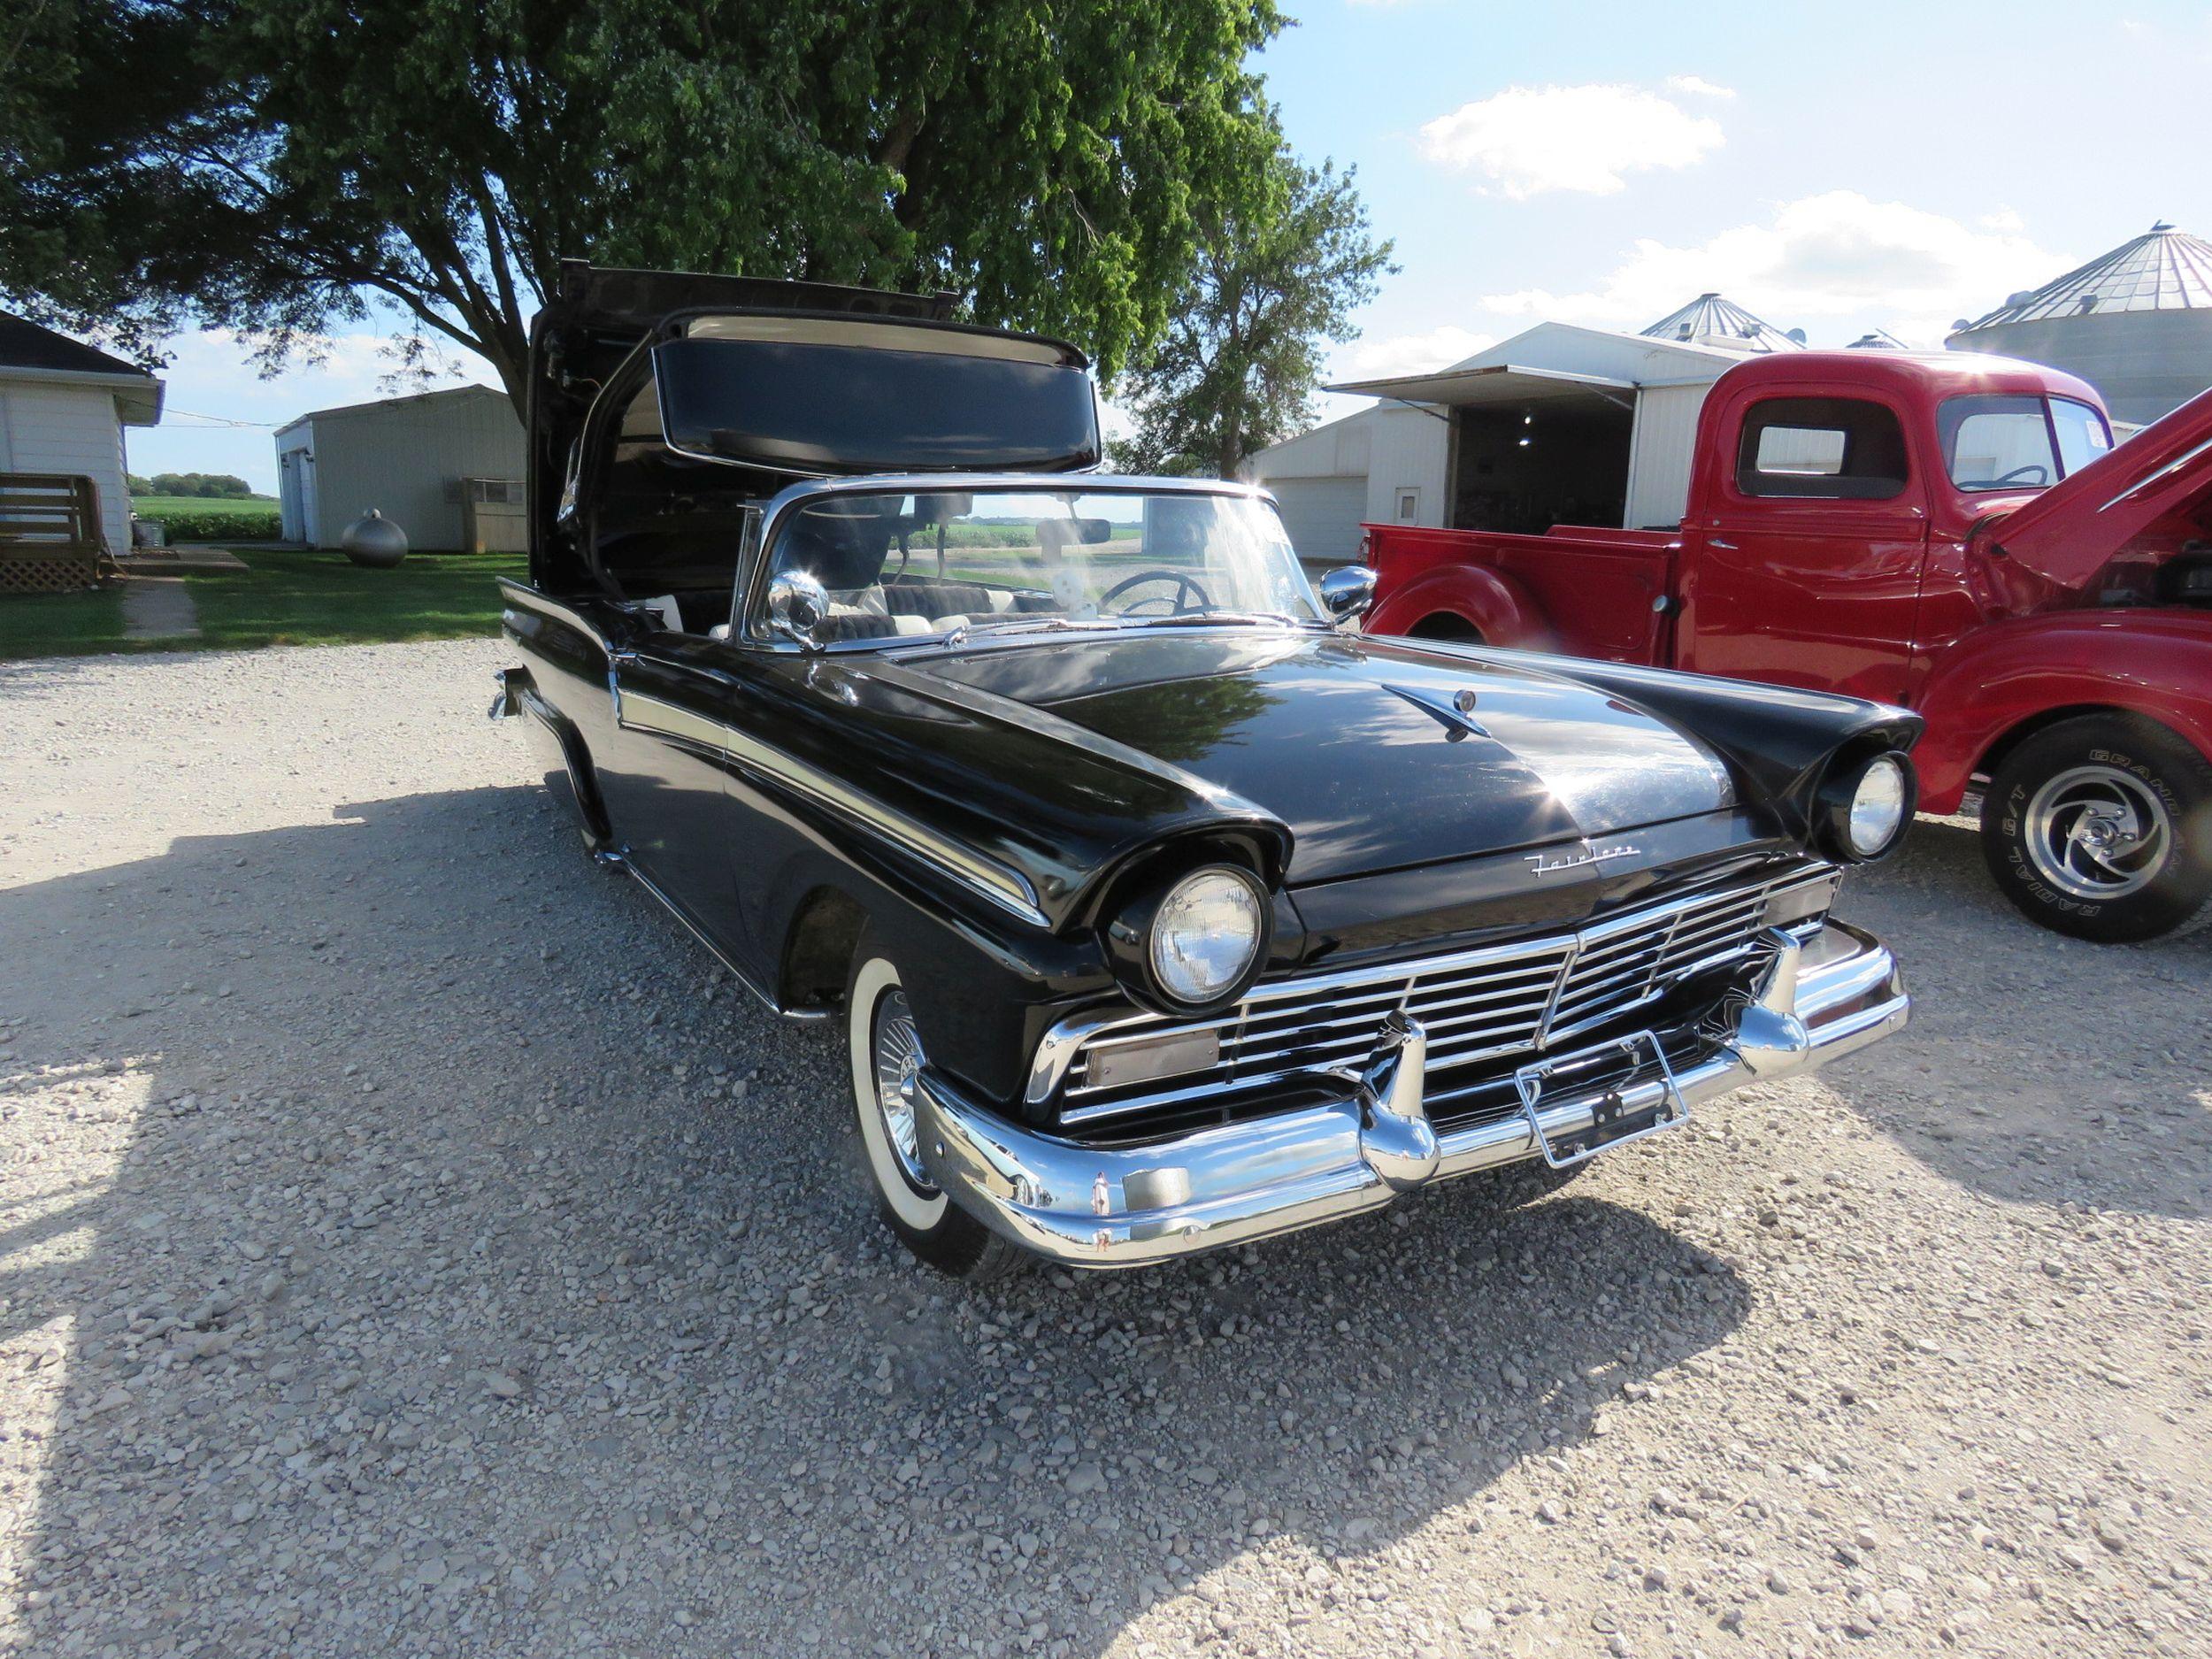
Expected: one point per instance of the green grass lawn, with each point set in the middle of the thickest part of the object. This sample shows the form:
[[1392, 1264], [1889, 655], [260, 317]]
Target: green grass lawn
[[284, 597], [158, 506], [61, 625]]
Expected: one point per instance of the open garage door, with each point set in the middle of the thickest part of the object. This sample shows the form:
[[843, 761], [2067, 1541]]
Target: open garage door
[[1323, 516]]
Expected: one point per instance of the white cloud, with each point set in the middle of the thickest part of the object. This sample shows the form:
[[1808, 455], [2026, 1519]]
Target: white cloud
[[1527, 140], [1699, 87], [1836, 255], [1390, 355]]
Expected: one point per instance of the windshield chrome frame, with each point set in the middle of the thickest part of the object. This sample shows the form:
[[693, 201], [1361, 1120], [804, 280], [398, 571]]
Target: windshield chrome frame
[[753, 583]]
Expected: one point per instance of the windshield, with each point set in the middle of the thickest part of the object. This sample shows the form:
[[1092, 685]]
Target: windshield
[[1995, 441], [898, 567]]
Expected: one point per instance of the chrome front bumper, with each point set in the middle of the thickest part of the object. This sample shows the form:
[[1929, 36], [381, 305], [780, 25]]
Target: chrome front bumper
[[1122, 1207]]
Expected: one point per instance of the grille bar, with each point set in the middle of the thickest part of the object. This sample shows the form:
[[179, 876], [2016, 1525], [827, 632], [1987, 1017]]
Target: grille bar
[[1476, 1005]]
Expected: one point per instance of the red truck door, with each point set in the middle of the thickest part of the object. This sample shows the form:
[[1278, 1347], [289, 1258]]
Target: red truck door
[[1804, 557]]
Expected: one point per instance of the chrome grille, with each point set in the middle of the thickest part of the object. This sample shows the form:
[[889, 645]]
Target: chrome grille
[[1475, 1004]]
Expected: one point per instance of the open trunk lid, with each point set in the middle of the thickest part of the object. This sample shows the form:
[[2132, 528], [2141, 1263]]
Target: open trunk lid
[[2157, 485]]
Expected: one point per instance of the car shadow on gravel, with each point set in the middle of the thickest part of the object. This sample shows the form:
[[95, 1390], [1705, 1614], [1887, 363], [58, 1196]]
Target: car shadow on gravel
[[450, 1260], [2038, 1068]]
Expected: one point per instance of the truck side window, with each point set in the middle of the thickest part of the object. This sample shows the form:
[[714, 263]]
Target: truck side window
[[1823, 448]]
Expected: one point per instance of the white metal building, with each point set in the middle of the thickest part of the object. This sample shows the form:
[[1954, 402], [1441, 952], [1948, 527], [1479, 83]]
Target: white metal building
[[1559, 425], [2135, 323], [63, 408], [408, 457]]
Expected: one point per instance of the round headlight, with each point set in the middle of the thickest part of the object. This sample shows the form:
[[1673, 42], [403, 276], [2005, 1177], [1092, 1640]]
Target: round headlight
[[1878, 805], [1205, 934]]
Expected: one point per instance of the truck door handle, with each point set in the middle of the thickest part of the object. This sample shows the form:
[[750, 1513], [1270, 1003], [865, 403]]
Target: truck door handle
[[1714, 541]]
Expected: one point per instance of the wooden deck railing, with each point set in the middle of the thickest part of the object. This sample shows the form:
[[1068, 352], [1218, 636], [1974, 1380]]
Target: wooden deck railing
[[49, 533]]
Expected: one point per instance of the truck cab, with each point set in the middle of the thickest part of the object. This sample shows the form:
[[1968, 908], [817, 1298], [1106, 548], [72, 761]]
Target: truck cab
[[1961, 536]]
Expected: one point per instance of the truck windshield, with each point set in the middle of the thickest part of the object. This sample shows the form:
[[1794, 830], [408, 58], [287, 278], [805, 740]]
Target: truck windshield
[[1998, 441], [903, 566]]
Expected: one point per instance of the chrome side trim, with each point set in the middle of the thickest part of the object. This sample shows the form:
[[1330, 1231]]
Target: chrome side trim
[[1371, 1138], [2160, 476], [798, 1015], [1007, 888]]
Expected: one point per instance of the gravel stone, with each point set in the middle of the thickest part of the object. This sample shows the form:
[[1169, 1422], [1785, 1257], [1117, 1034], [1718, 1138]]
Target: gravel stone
[[486, 1274]]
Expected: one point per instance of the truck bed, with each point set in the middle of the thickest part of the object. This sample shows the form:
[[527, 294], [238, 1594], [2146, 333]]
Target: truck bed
[[1582, 589]]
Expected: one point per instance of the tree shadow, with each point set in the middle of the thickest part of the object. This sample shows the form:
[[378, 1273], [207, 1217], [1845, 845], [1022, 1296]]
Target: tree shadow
[[2038, 1068], [454, 1261]]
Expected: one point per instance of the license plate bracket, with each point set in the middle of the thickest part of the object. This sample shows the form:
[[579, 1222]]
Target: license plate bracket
[[1647, 1103]]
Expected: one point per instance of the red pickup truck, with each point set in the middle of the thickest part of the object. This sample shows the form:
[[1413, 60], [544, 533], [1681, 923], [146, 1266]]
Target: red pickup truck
[[1956, 533]]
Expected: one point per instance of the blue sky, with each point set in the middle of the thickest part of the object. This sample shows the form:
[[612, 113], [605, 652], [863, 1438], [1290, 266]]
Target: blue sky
[[1888, 165]]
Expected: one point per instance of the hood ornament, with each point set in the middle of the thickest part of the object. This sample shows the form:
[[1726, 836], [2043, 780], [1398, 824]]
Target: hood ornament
[[1456, 713], [1545, 864]]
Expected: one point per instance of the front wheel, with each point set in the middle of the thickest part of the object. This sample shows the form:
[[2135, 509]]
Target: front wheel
[[2102, 827], [886, 1045]]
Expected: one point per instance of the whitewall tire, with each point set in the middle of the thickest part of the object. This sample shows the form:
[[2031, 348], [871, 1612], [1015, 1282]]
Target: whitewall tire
[[884, 1044]]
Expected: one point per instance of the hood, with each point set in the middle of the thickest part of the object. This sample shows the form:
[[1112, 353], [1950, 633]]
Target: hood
[[2151, 484], [1376, 754]]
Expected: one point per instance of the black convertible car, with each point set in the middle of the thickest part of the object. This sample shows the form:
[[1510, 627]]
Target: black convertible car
[[1162, 911]]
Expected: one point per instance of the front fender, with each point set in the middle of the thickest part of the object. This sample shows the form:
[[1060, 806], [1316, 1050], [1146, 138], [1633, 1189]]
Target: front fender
[[1497, 607], [2157, 663]]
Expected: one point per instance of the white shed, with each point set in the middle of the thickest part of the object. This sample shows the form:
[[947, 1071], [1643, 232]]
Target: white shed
[[411, 458], [1559, 425], [63, 408], [1378, 464]]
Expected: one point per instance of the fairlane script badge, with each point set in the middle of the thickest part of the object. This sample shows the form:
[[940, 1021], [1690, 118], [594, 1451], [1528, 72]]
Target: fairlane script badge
[[1542, 867]]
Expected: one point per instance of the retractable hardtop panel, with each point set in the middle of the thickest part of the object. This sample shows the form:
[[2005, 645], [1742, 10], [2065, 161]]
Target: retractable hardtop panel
[[665, 405]]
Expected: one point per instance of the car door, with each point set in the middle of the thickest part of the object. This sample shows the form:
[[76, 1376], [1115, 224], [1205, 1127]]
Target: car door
[[661, 772], [1805, 566]]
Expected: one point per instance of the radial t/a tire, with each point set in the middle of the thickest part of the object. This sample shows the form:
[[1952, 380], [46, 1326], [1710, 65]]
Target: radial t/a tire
[[884, 1046], [2101, 827]]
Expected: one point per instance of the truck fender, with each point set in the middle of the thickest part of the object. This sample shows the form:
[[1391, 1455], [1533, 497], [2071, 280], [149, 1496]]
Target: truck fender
[[2012, 678], [1499, 609]]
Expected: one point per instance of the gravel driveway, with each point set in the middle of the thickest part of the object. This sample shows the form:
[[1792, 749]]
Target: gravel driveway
[[411, 1243]]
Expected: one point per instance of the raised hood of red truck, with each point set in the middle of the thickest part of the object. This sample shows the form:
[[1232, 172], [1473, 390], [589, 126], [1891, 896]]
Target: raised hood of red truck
[[2151, 487]]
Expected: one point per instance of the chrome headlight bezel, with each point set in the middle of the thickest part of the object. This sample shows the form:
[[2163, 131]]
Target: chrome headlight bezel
[[1865, 809], [1210, 885], [1136, 942]]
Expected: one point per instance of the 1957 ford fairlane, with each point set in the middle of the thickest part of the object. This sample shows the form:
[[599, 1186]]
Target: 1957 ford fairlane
[[1160, 910]]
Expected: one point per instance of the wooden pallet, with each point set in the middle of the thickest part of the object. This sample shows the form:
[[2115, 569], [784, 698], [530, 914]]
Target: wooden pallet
[[50, 533]]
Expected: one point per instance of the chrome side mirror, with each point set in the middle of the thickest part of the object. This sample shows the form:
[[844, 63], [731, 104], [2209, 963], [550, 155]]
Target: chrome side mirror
[[798, 604], [1348, 592]]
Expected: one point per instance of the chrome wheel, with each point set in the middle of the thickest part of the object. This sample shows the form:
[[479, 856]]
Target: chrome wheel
[[2096, 832], [898, 1054]]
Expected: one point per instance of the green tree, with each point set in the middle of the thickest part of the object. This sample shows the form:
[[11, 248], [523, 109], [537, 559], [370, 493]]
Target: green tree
[[280, 165], [195, 486], [1279, 277]]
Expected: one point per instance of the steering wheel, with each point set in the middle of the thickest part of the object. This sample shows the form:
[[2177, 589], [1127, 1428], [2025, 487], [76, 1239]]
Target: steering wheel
[[1184, 585], [2042, 474]]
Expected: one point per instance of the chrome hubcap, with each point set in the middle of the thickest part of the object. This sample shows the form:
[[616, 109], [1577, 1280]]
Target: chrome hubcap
[[2095, 833], [898, 1059]]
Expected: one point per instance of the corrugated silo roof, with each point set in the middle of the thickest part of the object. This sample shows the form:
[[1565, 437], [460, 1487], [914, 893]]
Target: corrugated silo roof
[[1709, 318], [2163, 270]]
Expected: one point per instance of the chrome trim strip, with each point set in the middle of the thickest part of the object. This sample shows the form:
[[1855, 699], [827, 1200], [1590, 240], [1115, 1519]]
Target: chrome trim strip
[[1058, 1051], [2159, 477], [639, 711]]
